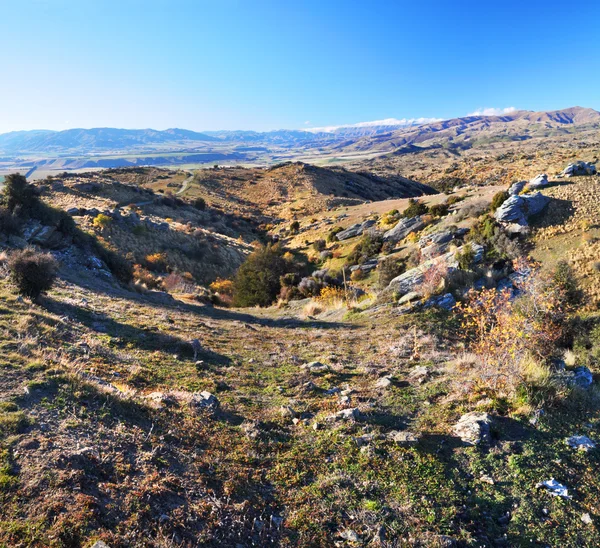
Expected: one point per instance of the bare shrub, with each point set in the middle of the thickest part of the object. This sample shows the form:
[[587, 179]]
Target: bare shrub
[[32, 272]]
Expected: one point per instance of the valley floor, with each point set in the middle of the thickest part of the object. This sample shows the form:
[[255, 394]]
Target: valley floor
[[103, 435]]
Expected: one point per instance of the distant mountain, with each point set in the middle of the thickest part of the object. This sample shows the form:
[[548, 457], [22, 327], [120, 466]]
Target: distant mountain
[[93, 140], [465, 131]]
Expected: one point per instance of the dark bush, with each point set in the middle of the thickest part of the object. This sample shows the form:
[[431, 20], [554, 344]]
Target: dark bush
[[33, 272], [294, 227], [389, 268], [17, 192], [332, 236], [415, 207], [9, 222], [564, 278], [258, 280], [465, 257], [200, 203], [368, 246], [319, 245]]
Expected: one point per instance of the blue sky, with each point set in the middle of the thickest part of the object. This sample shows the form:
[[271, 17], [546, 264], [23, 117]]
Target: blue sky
[[266, 64]]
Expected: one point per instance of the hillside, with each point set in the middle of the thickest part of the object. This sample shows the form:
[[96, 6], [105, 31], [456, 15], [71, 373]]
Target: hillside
[[292, 189]]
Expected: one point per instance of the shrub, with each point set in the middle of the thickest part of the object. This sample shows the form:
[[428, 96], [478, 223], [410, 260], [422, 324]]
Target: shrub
[[358, 275], [564, 279], [143, 276], [33, 272], [222, 287], [506, 333], [454, 200], [368, 246], [294, 227], [415, 207], [200, 204], [17, 192], [434, 279], [498, 199], [332, 236], [465, 257], [389, 268], [439, 210], [319, 245], [156, 262], [101, 221], [482, 231], [9, 222], [258, 279]]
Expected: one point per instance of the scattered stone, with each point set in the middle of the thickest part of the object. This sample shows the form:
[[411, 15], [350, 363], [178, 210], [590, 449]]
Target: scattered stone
[[384, 382], [474, 428], [446, 301], [419, 374], [309, 387], [351, 414], [332, 391], [100, 544], [409, 297], [586, 518], [582, 376], [205, 400], [287, 412], [350, 536], [581, 443], [403, 437], [317, 367], [487, 479], [554, 488], [365, 439], [277, 521]]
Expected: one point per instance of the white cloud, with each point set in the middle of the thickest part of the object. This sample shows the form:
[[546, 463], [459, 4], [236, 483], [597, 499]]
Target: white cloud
[[387, 122], [307, 123], [491, 111]]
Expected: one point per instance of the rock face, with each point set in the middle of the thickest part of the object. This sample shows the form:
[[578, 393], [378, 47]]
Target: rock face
[[578, 169], [539, 181], [410, 279], [518, 209], [474, 428], [403, 229], [355, 230], [447, 301]]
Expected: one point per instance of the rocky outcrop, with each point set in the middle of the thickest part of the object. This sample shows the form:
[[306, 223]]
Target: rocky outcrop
[[539, 181], [355, 230], [403, 228], [577, 169], [517, 210]]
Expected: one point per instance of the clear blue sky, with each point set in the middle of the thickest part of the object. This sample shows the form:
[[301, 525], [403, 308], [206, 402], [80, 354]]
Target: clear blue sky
[[267, 64]]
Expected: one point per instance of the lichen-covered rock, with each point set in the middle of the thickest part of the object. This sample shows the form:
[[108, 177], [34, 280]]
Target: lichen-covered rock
[[474, 428], [204, 400], [516, 188], [581, 443]]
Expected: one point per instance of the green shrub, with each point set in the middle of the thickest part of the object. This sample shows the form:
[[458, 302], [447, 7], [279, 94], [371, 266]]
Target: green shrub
[[258, 280], [415, 207], [482, 231], [564, 278], [498, 199], [465, 257], [368, 246], [454, 199], [32, 272], [439, 210], [102, 221], [332, 236], [294, 227]]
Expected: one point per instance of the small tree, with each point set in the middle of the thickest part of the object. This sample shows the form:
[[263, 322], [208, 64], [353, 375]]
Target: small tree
[[32, 272], [258, 280], [17, 191]]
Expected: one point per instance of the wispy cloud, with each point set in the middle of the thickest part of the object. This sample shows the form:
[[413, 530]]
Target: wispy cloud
[[403, 122], [491, 111]]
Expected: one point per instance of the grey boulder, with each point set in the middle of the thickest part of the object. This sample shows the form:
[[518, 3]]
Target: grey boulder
[[403, 228], [474, 428]]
